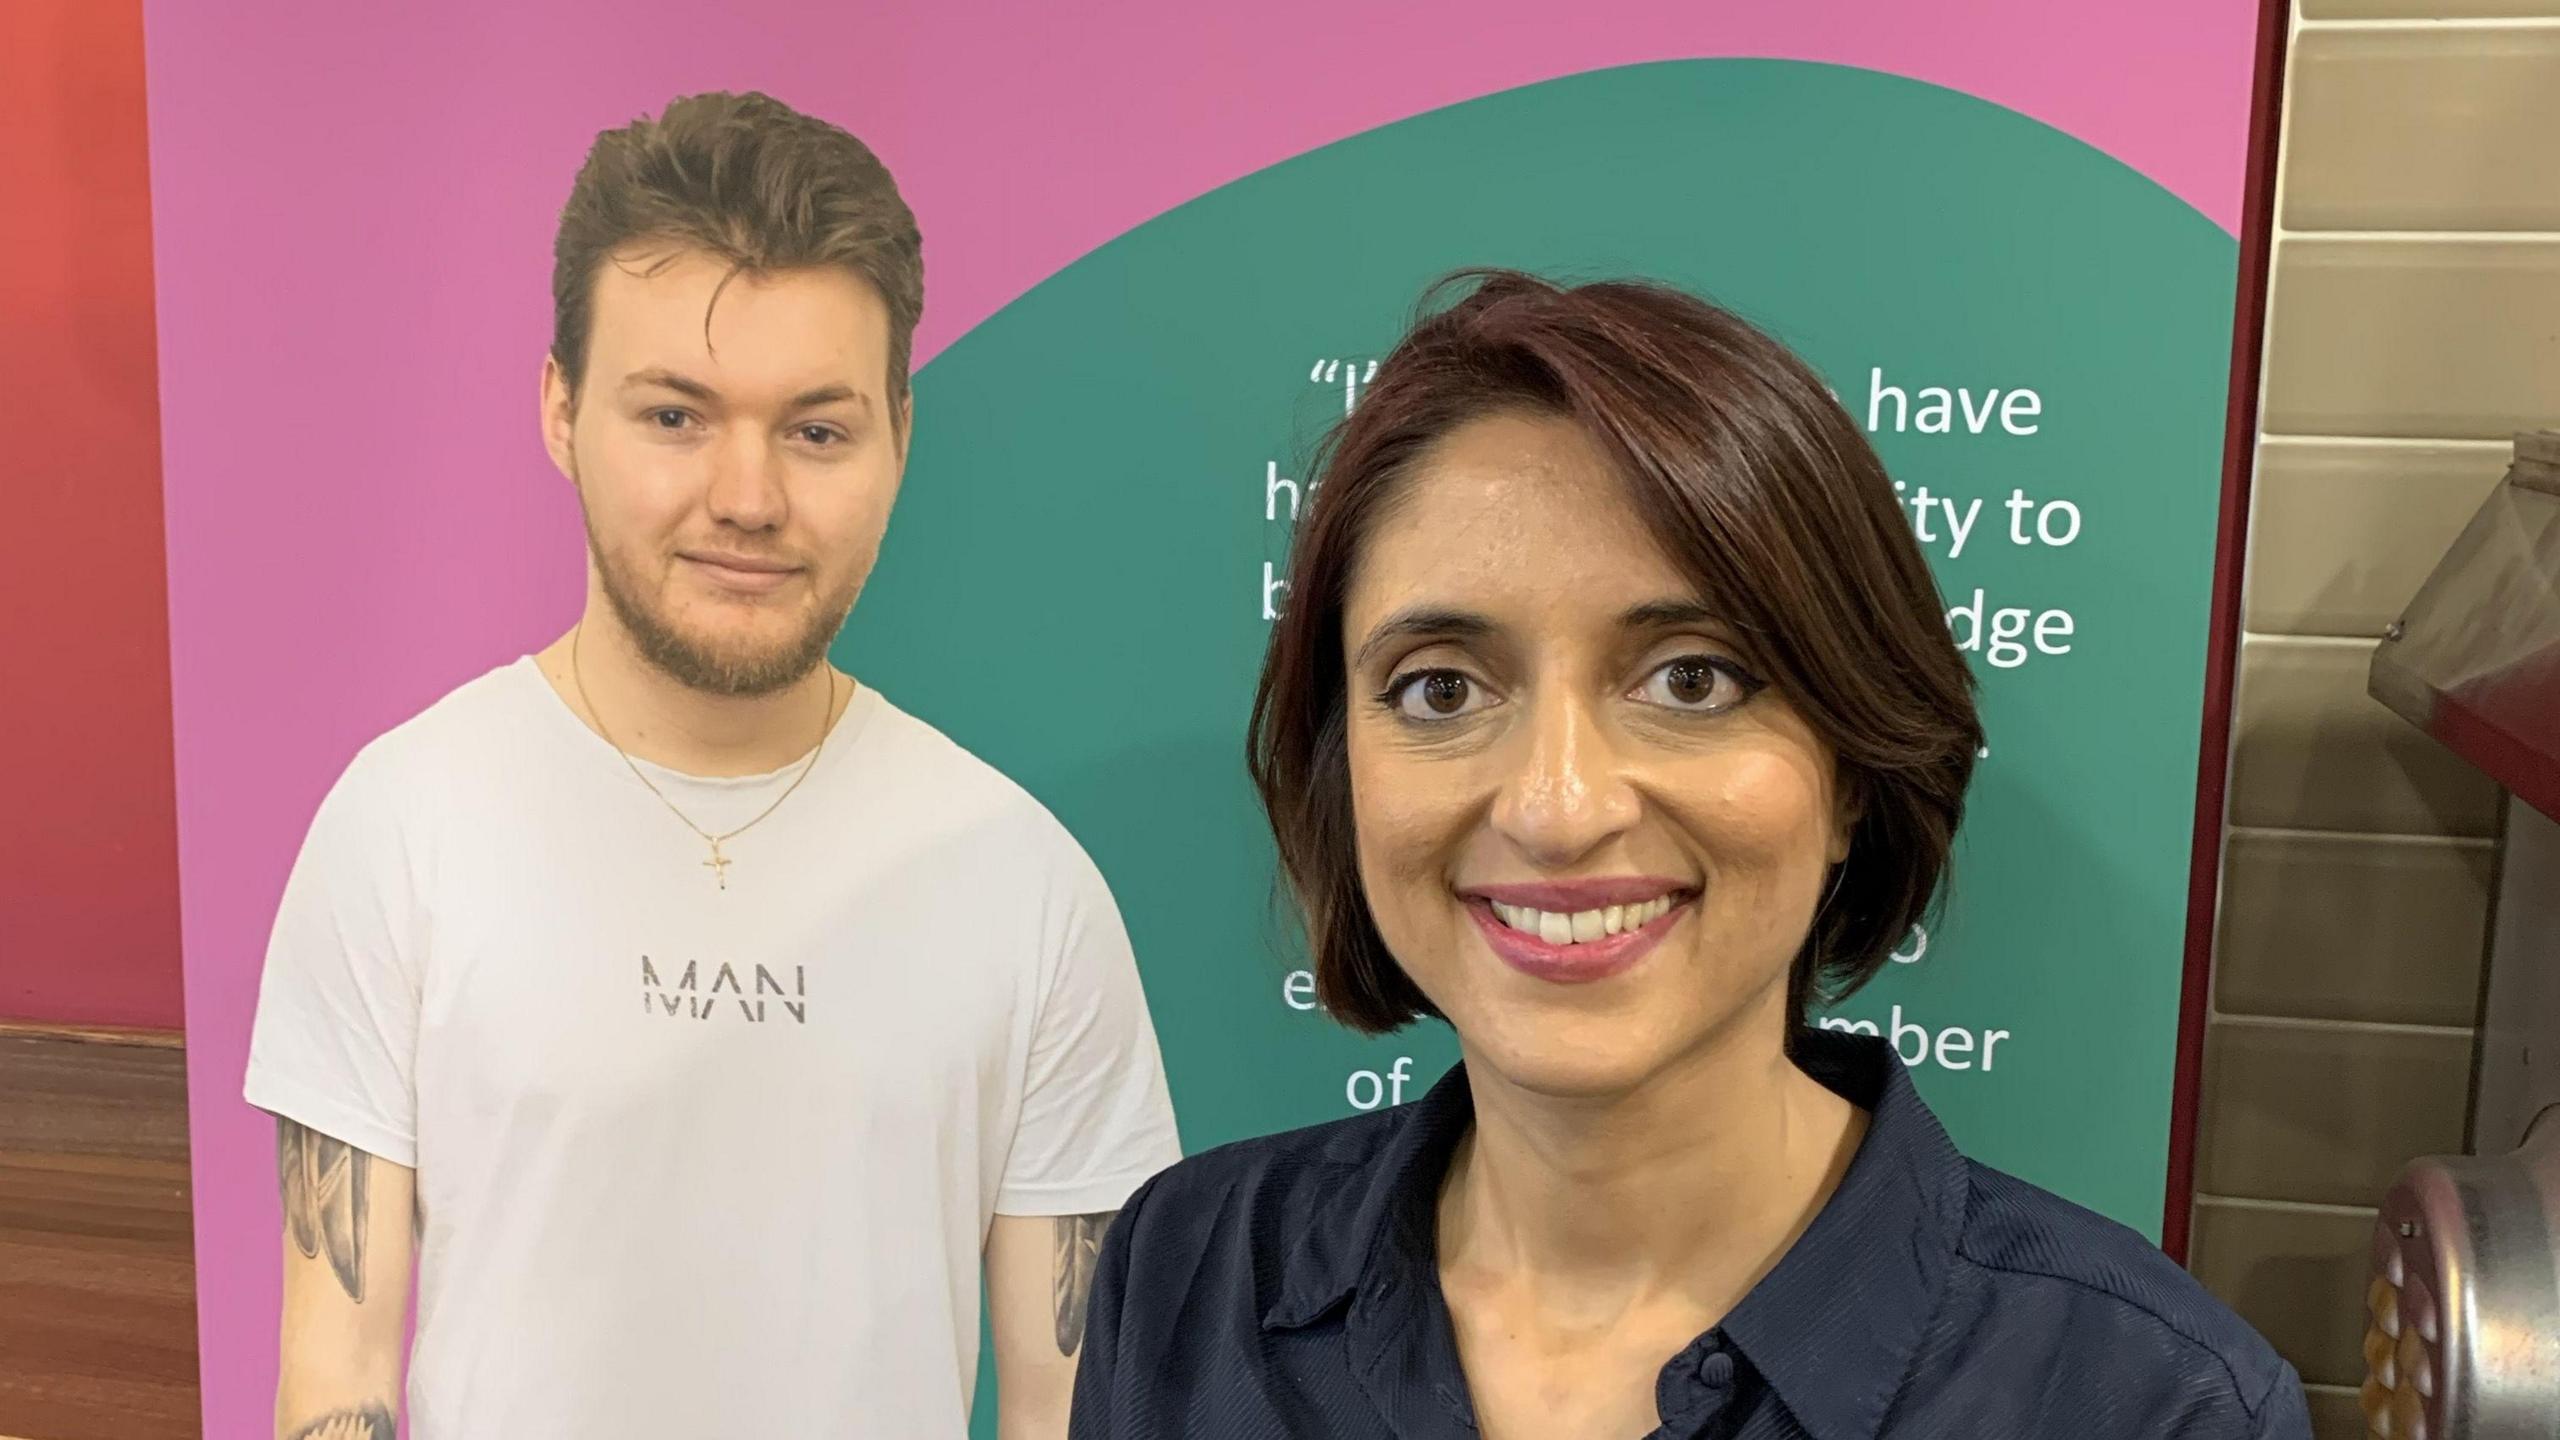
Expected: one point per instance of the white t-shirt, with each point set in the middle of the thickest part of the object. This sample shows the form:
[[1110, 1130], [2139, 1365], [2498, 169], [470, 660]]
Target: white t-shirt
[[698, 1162]]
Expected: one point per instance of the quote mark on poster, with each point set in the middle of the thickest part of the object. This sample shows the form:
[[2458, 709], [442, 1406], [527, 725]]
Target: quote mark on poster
[[1349, 373]]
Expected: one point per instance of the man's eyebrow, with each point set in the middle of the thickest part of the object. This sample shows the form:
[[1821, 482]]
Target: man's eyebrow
[[691, 388], [670, 380], [830, 395]]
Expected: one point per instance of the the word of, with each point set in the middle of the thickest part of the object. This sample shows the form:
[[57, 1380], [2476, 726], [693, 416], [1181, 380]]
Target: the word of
[[1387, 1089], [1951, 1049], [1938, 408], [2003, 635]]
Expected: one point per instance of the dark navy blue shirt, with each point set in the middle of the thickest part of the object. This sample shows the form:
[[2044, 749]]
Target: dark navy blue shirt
[[1287, 1288]]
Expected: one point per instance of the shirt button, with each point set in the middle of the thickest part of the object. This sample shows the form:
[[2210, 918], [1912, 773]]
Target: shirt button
[[1716, 1370]]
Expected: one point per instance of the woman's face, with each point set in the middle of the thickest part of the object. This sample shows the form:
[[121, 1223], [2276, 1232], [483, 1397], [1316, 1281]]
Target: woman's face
[[1587, 830]]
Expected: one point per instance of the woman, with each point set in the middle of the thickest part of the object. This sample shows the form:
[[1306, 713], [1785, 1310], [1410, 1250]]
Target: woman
[[1613, 720]]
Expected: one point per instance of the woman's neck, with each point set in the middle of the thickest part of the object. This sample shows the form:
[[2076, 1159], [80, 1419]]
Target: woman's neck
[[1681, 1192]]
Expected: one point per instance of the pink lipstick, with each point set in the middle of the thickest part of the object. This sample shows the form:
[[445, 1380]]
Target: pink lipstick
[[1641, 909]]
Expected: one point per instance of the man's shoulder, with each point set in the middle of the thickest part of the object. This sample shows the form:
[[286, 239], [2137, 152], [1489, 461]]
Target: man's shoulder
[[2111, 1282], [456, 736], [1264, 1195], [918, 750], [915, 759]]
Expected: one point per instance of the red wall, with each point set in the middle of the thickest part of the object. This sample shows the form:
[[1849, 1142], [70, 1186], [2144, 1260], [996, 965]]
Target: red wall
[[88, 824]]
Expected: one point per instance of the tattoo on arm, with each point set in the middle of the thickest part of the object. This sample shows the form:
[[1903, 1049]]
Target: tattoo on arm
[[324, 1210], [1078, 1251], [373, 1422]]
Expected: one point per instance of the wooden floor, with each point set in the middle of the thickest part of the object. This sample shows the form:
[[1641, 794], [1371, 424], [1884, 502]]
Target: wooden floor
[[97, 1261]]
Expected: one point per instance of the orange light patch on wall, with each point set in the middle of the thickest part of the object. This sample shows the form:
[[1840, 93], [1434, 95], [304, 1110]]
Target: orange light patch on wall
[[88, 827]]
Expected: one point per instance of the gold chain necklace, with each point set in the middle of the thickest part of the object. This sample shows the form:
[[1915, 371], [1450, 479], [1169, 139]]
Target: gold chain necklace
[[718, 864]]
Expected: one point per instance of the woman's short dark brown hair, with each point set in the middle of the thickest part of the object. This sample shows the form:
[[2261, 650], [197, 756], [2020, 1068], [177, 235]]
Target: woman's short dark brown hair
[[1761, 489]]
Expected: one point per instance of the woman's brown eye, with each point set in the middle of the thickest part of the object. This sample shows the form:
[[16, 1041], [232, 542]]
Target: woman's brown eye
[[1697, 685], [1691, 682], [1432, 695]]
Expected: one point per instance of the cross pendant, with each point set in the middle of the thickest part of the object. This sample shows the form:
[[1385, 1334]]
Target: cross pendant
[[718, 865]]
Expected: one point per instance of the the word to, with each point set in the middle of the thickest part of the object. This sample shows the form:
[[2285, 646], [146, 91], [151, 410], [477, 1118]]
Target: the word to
[[1947, 520], [2057, 521]]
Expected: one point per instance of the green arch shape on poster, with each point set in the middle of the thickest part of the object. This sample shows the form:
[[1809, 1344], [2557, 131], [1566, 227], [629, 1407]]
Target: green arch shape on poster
[[1073, 587]]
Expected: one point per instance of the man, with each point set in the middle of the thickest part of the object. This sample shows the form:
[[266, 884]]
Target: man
[[699, 1021]]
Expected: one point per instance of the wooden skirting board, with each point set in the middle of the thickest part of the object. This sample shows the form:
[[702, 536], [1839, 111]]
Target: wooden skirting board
[[97, 1255]]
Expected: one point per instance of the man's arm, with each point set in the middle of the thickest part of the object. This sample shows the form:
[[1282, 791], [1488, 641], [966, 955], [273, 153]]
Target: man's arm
[[349, 1234], [1039, 1281]]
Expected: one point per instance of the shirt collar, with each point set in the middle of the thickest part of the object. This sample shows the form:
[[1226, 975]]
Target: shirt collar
[[1370, 1240], [1833, 1327], [1381, 1212], [1388, 1197]]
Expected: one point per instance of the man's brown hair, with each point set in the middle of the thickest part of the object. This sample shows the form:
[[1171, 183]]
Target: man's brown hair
[[1760, 488], [752, 181]]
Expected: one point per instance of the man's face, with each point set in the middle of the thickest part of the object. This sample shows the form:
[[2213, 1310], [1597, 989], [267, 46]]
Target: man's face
[[736, 462]]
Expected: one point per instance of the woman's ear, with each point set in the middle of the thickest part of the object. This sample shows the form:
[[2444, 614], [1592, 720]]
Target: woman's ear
[[1849, 806]]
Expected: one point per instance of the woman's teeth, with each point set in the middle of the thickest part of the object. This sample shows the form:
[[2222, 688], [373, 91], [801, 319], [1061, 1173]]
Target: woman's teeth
[[1581, 926]]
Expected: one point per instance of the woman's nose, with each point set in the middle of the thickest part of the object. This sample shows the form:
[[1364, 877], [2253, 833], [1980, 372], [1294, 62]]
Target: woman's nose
[[1565, 792]]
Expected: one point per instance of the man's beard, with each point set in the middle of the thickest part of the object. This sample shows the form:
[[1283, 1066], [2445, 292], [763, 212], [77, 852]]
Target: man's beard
[[737, 670]]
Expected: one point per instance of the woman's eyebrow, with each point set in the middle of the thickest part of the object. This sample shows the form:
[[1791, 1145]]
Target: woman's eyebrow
[[1668, 615], [1423, 621]]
